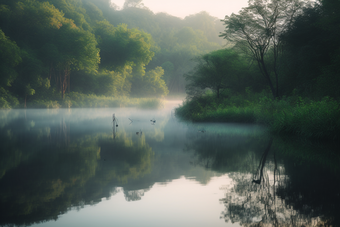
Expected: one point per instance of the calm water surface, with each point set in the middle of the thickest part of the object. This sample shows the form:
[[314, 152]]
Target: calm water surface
[[76, 167]]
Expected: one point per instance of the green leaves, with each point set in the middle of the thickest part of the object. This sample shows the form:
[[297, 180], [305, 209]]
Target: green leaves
[[151, 84], [217, 70], [29, 90], [77, 48], [120, 45], [9, 58]]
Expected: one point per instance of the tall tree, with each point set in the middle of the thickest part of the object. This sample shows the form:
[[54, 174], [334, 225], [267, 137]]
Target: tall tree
[[257, 28], [77, 50]]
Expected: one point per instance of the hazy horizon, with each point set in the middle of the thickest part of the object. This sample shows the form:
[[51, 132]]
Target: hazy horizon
[[183, 8]]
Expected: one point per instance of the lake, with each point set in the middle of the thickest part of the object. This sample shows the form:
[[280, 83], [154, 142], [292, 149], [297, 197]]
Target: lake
[[78, 167]]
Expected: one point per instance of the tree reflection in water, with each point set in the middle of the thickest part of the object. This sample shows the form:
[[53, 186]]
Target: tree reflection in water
[[134, 195], [48, 169], [276, 182], [45, 173], [269, 198]]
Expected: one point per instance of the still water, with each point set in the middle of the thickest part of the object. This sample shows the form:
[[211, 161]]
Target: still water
[[78, 167]]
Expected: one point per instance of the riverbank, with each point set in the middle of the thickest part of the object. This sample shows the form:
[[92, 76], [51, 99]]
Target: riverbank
[[78, 100], [294, 115]]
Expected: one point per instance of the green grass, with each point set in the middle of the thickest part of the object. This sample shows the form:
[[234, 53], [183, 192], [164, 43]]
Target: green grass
[[288, 116]]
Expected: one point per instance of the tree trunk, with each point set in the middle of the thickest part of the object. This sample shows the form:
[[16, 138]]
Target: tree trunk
[[64, 80], [68, 83], [259, 171], [61, 85], [277, 84], [267, 76]]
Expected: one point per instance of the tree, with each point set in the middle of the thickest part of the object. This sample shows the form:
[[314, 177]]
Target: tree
[[28, 91], [9, 58], [133, 3], [30, 76], [77, 51], [211, 26], [217, 70], [151, 84], [257, 28], [120, 46], [72, 9]]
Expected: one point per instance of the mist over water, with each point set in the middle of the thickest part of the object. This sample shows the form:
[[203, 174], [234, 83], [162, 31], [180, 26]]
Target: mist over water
[[76, 167]]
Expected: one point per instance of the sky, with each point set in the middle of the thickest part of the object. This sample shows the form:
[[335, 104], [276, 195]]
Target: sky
[[183, 8]]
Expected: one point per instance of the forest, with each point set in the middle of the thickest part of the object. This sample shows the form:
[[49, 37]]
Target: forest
[[89, 53]]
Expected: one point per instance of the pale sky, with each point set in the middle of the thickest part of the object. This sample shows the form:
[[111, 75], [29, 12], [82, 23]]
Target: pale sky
[[183, 8]]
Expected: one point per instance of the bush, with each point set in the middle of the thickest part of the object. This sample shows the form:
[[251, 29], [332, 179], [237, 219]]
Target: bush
[[7, 101], [313, 119]]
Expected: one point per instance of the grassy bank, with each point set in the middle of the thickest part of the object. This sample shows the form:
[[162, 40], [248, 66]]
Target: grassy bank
[[288, 116], [78, 100]]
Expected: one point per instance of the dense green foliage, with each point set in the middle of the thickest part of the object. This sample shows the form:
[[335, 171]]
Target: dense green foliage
[[52, 48], [220, 70], [298, 61], [312, 52]]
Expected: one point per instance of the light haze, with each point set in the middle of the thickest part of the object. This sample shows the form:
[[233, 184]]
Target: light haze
[[183, 8]]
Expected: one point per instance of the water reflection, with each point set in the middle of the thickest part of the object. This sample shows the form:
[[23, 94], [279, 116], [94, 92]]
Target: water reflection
[[276, 182], [124, 159], [54, 161], [269, 192], [225, 147], [46, 169]]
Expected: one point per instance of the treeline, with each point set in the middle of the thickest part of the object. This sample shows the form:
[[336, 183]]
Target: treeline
[[57, 49], [281, 71]]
